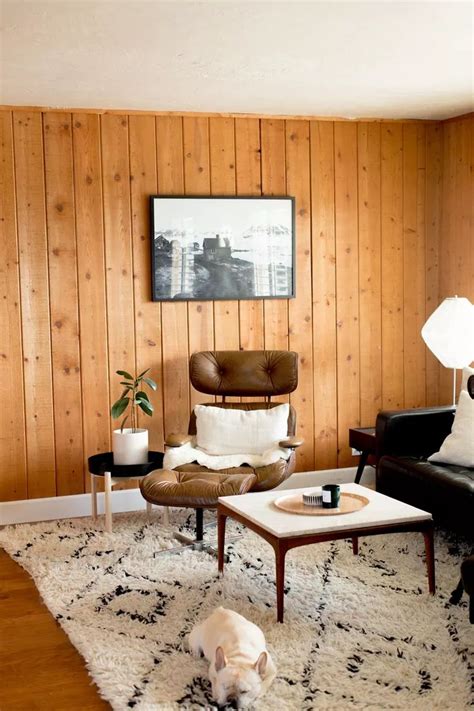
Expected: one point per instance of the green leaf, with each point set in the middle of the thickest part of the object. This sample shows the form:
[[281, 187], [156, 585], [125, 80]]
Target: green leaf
[[147, 407], [119, 406], [124, 393], [141, 395], [124, 374], [150, 382], [142, 374], [127, 385]]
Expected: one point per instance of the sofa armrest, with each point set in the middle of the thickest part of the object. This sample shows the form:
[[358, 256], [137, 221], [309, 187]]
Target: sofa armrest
[[177, 440], [291, 442], [412, 433]]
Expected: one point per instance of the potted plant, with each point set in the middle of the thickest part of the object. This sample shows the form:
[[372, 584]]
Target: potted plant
[[130, 445]]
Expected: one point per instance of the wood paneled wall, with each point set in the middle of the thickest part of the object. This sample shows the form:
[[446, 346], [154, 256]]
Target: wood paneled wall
[[75, 279], [456, 263]]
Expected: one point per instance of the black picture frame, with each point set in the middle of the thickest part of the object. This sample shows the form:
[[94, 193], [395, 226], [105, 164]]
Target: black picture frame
[[205, 268]]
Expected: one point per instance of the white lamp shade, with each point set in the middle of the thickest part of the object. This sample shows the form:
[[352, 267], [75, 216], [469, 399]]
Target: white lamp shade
[[449, 332]]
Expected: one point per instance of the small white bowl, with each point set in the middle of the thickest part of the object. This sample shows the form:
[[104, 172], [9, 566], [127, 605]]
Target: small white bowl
[[313, 499]]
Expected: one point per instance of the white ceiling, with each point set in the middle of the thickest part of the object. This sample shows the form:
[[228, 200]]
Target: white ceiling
[[351, 59]]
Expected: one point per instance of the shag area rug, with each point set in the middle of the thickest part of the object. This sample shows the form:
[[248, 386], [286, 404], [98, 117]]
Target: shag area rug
[[359, 633]]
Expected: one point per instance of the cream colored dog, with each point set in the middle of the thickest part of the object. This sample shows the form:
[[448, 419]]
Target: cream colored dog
[[240, 666]]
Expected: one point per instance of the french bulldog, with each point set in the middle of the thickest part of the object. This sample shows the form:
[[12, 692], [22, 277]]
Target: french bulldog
[[240, 666]]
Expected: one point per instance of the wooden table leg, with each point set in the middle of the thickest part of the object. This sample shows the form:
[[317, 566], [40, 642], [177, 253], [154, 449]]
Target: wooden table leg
[[221, 521], [430, 559], [280, 553], [355, 545], [360, 469], [108, 501], [93, 497]]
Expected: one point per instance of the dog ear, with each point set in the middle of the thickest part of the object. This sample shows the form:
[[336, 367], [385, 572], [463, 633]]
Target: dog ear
[[261, 664], [221, 661]]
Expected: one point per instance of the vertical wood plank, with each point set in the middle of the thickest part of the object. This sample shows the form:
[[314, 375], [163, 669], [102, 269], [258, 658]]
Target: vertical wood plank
[[413, 265], [300, 308], [147, 313], [197, 182], [91, 282], [324, 294], [13, 481], [464, 229], [249, 182], [273, 147], [174, 316], [370, 321], [34, 289], [392, 266], [222, 172], [118, 249], [447, 275], [433, 200], [63, 294], [347, 286]]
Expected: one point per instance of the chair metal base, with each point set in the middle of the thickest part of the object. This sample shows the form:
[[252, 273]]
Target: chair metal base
[[198, 543]]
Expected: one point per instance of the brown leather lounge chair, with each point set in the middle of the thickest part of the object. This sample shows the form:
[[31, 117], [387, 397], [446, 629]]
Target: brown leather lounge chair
[[248, 374]]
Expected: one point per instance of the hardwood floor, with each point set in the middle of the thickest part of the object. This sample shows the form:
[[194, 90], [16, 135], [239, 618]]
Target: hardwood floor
[[40, 670]]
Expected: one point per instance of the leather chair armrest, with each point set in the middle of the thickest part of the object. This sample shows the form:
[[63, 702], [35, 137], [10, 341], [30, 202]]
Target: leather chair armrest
[[291, 442], [412, 433], [177, 440]]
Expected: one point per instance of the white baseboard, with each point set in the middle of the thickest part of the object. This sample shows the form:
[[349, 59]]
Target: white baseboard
[[57, 507]]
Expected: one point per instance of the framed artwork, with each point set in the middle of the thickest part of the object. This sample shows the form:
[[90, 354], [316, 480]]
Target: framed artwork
[[210, 248]]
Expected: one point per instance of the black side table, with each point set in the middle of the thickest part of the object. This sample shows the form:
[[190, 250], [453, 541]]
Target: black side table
[[362, 439], [102, 465]]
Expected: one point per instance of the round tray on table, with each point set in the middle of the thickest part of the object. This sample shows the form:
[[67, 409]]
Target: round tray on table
[[293, 503]]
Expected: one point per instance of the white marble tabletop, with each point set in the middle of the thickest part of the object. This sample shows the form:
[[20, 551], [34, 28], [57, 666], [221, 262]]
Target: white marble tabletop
[[381, 510]]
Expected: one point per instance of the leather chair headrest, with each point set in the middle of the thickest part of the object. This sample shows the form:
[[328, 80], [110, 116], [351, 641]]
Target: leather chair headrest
[[245, 373]]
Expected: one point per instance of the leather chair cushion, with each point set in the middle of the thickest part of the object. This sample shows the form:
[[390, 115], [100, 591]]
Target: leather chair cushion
[[447, 491], [263, 478], [244, 373], [193, 489]]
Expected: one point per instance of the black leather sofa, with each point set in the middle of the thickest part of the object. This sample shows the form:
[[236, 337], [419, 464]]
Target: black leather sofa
[[404, 440]]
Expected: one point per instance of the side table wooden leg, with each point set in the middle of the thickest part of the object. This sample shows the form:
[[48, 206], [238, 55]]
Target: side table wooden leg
[[221, 521], [360, 469], [108, 501], [93, 497], [355, 545], [430, 559], [280, 553]]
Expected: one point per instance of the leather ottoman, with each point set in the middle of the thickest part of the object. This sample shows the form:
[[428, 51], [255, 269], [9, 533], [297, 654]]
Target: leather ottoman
[[197, 490], [194, 490]]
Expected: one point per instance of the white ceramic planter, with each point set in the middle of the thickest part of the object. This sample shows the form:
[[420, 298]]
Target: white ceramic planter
[[130, 447]]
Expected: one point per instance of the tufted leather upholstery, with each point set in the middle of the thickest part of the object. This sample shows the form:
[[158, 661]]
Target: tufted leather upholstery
[[233, 373], [244, 373], [188, 489], [404, 441], [264, 478]]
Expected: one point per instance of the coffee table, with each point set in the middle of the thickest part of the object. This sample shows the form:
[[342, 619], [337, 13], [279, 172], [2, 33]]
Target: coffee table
[[285, 531]]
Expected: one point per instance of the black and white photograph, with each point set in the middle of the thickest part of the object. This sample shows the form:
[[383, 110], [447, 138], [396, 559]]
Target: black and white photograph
[[209, 248]]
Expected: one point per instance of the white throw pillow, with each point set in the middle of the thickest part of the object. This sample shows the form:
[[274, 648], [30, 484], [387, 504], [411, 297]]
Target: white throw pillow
[[226, 431], [466, 374], [458, 447]]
